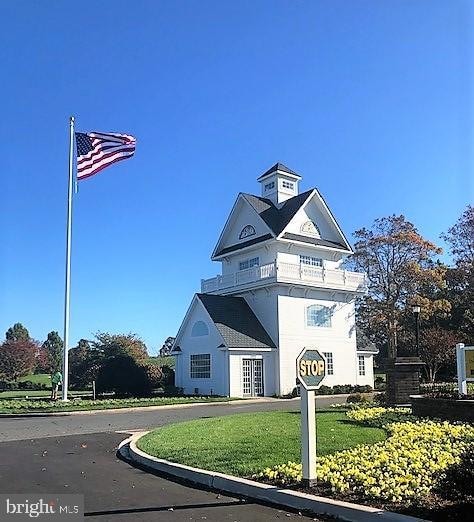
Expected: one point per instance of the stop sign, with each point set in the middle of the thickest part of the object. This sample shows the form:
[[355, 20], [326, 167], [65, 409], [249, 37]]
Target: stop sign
[[310, 368]]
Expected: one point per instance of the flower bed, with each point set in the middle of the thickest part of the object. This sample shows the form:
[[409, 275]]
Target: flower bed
[[404, 468]]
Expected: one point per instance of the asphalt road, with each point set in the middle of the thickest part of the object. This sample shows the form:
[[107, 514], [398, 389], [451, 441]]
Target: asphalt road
[[77, 454], [18, 428], [113, 490]]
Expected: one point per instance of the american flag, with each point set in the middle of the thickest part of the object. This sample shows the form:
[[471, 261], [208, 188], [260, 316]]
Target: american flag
[[97, 150]]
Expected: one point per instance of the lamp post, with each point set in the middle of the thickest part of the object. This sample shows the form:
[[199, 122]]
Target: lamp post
[[416, 310]]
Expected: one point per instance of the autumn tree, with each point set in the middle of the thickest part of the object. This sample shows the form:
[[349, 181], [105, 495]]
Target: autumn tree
[[84, 363], [112, 345], [401, 270], [460, 278], [17, 332], [17, 358], [437, 350], [54, 348]]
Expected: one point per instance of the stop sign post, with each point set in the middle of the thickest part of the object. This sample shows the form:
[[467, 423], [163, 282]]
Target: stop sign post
[[310, 370]]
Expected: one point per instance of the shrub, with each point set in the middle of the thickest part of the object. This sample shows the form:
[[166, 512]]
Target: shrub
[[168, 375], [173, 391], [123, 376], [458, 480], [356, 398]]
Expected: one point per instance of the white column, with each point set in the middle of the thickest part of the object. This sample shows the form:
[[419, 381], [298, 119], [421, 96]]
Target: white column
[[461, 367], [308, 437]]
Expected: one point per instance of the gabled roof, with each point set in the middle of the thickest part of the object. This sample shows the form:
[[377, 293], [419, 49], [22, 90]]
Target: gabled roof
[[237, 324], [278, 167], [245, 244], [277, 218], [313, 240]]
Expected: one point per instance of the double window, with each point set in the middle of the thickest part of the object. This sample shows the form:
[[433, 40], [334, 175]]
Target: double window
[[200, 367], [288, 184], [329, 363], [361, 359], [318, 315], [269, 186], [249, 263], [311, 261]]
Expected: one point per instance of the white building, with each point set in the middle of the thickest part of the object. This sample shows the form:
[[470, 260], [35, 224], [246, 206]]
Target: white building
[[281, 289]]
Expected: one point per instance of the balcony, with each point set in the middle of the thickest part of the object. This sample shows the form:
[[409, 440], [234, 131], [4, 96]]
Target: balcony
[[278, 272]]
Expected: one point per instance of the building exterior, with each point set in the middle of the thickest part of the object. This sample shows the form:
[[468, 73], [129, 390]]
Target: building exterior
[[281, 289]]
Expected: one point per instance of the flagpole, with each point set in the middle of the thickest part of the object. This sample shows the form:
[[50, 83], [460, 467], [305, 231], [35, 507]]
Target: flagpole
[[68, 262]]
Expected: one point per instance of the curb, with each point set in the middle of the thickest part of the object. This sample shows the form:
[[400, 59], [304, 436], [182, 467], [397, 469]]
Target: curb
[[261, 400], [262, 492]]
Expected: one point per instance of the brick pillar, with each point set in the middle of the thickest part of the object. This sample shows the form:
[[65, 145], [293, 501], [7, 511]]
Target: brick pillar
[[403, 379]]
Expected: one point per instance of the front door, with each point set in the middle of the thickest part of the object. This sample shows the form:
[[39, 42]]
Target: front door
[[252, 377]]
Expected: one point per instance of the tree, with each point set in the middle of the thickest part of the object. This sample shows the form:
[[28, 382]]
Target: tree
[[17, 358], [460, 238], [437, 350], [42, 362], [167, 346], [17, 332], [84, 364], [112, 345], [401, 270], [460, 278], [54, 347]]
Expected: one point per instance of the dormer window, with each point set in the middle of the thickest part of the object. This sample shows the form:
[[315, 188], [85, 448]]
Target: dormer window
[[247, 231], [309, 228], [269, 186], [288, 184]]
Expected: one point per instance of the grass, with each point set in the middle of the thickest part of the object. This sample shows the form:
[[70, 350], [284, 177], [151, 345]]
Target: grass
[[11, 406], [37, 378], [246, 443]]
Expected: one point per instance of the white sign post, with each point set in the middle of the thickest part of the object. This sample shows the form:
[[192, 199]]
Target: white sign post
[[311, 370], [465, 366]]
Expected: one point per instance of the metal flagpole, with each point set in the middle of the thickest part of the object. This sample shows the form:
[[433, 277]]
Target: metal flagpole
[[68, 261]]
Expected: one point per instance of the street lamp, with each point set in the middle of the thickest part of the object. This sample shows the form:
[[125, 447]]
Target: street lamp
[[416, 310]]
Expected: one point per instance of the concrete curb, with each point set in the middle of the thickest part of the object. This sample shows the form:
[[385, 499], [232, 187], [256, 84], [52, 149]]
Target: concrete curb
[[261, 400], [263, 492]]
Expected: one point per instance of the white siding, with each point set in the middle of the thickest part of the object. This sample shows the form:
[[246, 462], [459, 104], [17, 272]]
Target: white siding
[[244, 215], [294, 335], [218, 382]]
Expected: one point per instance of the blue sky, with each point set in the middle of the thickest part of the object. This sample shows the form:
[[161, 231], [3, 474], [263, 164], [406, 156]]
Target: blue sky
[[369, 101]]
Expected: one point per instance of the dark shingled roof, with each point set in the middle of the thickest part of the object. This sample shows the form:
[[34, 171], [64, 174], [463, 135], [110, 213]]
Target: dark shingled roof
[[236, 322], [277, 218], [281, 168], [313, 240], [363, 343], [250, 242]]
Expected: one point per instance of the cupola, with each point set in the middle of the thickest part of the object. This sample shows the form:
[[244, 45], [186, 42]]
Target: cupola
[[279, 183]]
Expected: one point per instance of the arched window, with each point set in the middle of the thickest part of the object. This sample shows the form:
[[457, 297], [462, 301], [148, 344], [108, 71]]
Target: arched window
[[318, 315], [199, 329], [310, 228], [247, 231]]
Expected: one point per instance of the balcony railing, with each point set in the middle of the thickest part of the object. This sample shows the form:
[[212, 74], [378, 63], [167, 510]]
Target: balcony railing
[[287, 273]]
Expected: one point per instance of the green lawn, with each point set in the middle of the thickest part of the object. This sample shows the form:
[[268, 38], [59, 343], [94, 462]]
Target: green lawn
[[246, 443], [37, 378]]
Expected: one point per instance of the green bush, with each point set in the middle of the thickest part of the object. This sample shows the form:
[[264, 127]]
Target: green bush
[[172, 391], [122, 375]]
